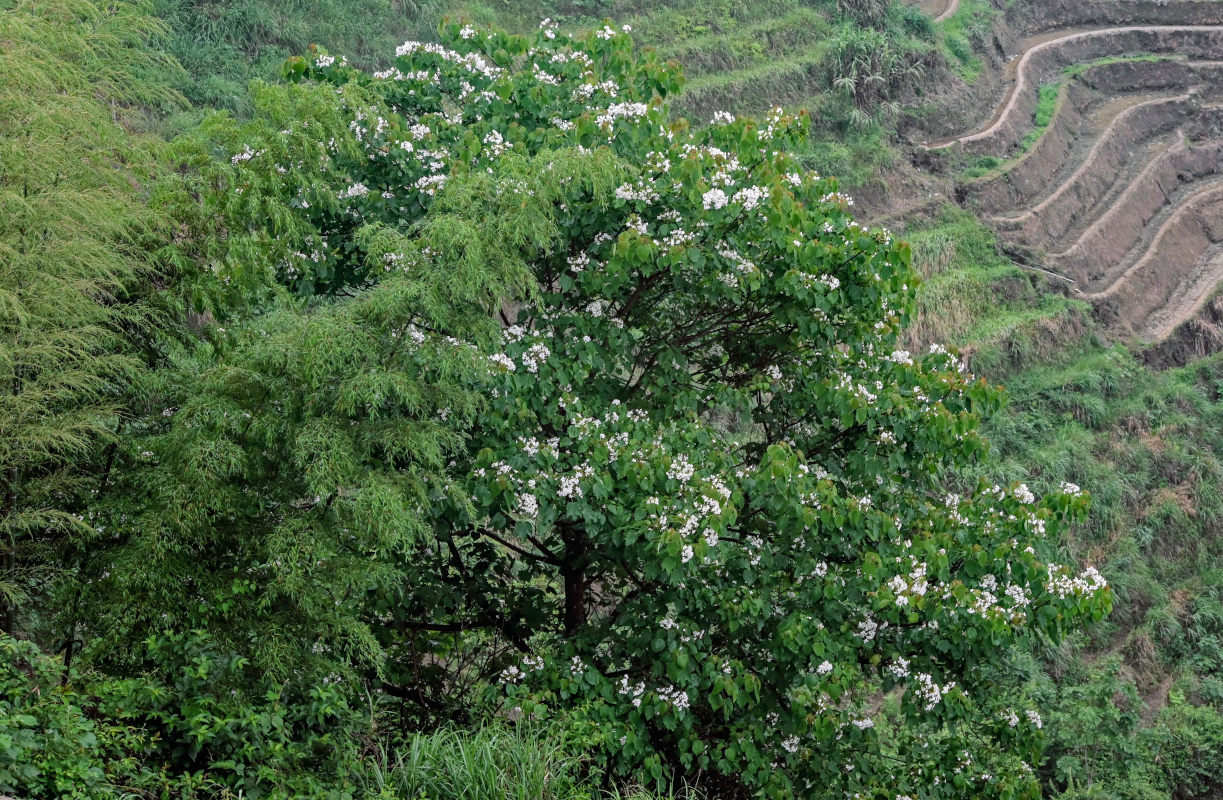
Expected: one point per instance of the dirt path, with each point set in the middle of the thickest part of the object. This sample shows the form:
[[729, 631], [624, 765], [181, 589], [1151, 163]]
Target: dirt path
[[1188, 299], [938, 10], [1019, 79], [950, 10], [1155, 700], [1192, 291]]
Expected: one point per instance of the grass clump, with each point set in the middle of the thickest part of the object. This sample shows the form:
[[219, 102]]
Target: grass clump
[[496, 763], [964, 34], [1077, 70], [975, 298], [1047, 102]]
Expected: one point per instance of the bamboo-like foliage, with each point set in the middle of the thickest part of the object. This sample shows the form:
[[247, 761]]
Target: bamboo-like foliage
[[869, 68], [72, 264]]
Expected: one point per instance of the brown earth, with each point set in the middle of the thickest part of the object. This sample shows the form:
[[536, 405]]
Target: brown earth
[[1122, 192]]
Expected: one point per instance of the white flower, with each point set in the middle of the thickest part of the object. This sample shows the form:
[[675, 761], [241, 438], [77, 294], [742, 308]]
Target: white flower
[[356, 190], [749, 197], [722, 118], [676, 697], [634, 691], [578, 262], [621, 110], [534, 356], [496, 143], [246, 155], [643, 194], [824, 669], [681, 469], [503, 360], [528, 506], [714, 199]]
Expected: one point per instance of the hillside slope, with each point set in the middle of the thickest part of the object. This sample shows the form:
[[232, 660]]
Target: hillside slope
[[1101, 160]]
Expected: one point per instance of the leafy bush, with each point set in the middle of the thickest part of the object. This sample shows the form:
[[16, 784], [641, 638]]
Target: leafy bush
[[49, 746], [213, 720]]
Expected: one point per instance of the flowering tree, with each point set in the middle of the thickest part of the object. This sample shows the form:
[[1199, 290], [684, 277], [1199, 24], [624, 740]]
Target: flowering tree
[[701, 503]]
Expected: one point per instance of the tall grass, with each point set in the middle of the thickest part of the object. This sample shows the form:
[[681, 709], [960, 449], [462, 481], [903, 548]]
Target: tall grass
[[493, 763]]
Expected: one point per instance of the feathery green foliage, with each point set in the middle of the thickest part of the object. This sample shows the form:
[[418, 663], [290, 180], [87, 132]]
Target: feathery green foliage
[[76, 268]]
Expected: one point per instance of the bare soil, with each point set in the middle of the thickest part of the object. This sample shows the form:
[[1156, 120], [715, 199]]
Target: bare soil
[[1125, 185]]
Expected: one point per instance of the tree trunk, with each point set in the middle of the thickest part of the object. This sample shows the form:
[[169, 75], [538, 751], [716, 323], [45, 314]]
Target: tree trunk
[[10, 553], [573, 570]]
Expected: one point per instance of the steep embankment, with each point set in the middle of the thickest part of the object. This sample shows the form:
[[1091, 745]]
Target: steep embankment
[[1102, 160]]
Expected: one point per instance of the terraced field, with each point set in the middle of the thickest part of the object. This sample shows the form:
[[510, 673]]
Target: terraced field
[[1100, 154]]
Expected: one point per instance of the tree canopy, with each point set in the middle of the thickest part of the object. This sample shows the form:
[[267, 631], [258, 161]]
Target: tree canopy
[[508, 392], [600, 401]]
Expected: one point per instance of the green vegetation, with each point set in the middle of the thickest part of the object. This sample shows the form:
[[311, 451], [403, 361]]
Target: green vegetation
[[1078, 70], [316, 457], [491, 763], [71, 336], [1051, 95], [222, 45], [321, 480], [845, 62]]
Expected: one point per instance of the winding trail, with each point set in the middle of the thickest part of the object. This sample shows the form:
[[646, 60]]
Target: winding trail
[[1126, 182], [937, 10], [948, 12], [1018, 70]]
